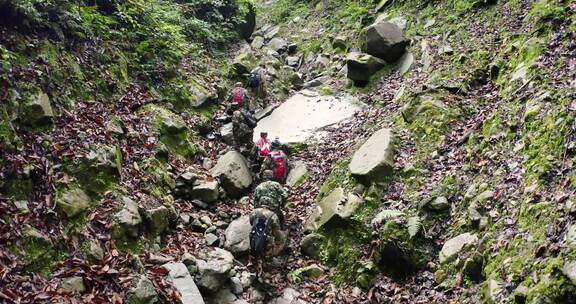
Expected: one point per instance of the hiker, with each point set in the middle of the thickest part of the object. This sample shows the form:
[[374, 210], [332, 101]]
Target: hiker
[[263, 146], [240, 96], [267, 236], [257, 83], [243, 124], [277, 161]]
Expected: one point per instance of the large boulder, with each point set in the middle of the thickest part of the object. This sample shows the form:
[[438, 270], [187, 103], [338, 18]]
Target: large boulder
[[238, 235], [214, 266], [335, 209], [375, 158], [297, 174], [127, 221], [361, 66], [454, 246], [143, 292], [37, 109], [73, 202], [181, 279], [158, 219], [234, 174], [384, 40]]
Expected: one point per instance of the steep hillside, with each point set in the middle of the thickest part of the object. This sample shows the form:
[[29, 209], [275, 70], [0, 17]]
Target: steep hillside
[[452, 183]]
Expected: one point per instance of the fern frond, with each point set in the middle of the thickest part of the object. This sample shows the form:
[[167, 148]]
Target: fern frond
[[385, 215], [414, 225]]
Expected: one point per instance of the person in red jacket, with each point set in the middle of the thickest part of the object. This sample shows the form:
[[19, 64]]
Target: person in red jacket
[[263, 146], [277, 161]]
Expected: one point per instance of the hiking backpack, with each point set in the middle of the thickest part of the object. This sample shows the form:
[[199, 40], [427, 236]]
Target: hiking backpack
[[279, 165], [249, 119], [259, 236], [238, 96], [254, 80]]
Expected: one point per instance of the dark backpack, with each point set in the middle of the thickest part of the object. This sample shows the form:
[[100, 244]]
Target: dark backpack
[[254, 80], [259, 236], [249, 119]]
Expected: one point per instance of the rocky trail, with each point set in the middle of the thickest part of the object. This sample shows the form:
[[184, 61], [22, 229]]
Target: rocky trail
[[431, 146]]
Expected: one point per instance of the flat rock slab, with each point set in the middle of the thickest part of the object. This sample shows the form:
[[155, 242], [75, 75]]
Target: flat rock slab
[[297, 173], [304, 113], [455, 245], [375, 158], [184, 283]]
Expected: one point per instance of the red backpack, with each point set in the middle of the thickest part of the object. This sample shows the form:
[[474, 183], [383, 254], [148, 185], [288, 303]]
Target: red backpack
[[238, 96], [279, 165], [264, 147]]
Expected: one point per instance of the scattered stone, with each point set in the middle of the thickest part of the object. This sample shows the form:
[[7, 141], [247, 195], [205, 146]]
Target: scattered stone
[[334, 209], [157, 219], [374, 160], [439, 204], [293, 61], [322, 60], [95, 252], [214, 267], [226, 134], [297, 174], [236, 285], [310, 245], [385, 41], [206, 190], [238, 235], [258, 42], [339, 43], [426, 59], [494, 290], [316, 82], [212, 239], [73, 202], [22, 206], [224, 296], [446, 49], [143, 292], [362, 66], [271, 32], [404, 63], [292, 48], [454, 246], [278, 45], [127, 221], [74, 285], [400, 22], [312, 272], [159, 259], [180, 277], [569, 270], [115, 126], [185, 218], [234, 174], [571, 236]]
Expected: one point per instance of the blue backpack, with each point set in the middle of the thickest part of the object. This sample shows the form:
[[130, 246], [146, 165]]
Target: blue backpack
[[254, 80]]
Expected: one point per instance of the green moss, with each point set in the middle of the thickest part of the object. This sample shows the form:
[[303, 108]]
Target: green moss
[[38, 256], [339, 177]]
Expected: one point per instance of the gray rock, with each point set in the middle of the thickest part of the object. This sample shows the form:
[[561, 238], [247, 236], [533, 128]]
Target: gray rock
[[335, 209], [446, 49], [569, 270], [571, 236], [158, 219], [292, 48], [201, 95], [22, 206], [234, 174], [385, 41], [95, 252], [293, 61], [278, 45], [426, 59], [271, 33], [236, 285], [404, 64], [322, 60], [73, 202], [494, 290], [310, 245], [212, 239], [439, 204], [375, 159], [297, 174], [206, 190], [238, 235], [37, 109], [185, 218], [400, 22], [74, 285], [316, 82], [142, 293], [258, 42], [180, 277], [224, 296], [214, 267], [114, 126], [188, 259], [454, 246], [312, 272], [127, 221], [33, 234], [339, 42], [159, 259], [362, 66], [226, 134]]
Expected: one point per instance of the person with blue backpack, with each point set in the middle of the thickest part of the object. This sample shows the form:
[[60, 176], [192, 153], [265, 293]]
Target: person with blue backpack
[[257, 83]]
